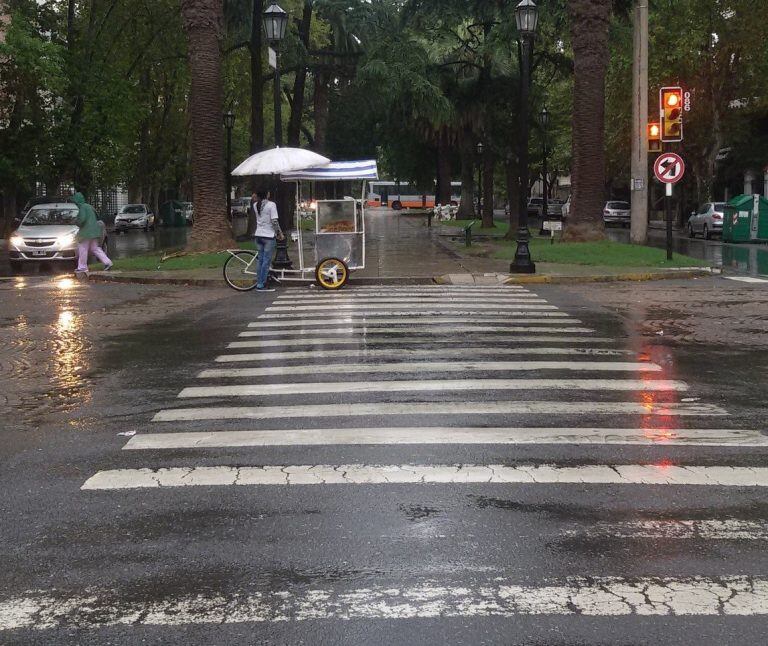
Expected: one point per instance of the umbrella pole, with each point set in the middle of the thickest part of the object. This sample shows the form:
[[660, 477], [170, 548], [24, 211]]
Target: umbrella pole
[[282, 261]]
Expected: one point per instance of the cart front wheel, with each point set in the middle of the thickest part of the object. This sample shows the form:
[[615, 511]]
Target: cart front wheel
[[332, 273], [240, 271]]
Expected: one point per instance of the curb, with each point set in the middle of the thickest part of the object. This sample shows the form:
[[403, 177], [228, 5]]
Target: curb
[[445, 279], [599, 278], [116, 278]]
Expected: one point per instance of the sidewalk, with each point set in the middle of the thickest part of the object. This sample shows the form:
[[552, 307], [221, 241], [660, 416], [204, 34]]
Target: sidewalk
[[401, 249]]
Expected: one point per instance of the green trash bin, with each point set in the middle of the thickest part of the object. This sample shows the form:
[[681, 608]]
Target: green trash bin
[[746, 219], [172, 214]]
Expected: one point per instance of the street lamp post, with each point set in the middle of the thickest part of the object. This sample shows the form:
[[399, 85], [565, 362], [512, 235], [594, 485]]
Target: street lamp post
[[229, 123], [527, 18], [544, 122], [480, 179], [275, 24]]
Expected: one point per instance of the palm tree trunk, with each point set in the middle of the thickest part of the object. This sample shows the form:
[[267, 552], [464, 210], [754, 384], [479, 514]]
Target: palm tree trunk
[[467, 150], [203, 21], [489, 165], [443, 167], [589, 21]]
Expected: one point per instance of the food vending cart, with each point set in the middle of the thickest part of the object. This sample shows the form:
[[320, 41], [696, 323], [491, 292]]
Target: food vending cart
[[339, 232]]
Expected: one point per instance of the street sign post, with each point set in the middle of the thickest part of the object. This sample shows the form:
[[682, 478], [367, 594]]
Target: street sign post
[[669, 169]]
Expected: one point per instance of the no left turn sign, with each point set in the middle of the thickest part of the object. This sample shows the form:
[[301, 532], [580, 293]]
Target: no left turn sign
[[669, 168]]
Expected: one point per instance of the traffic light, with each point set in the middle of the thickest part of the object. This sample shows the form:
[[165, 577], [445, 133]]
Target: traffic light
[[654, 138], [671, 114]]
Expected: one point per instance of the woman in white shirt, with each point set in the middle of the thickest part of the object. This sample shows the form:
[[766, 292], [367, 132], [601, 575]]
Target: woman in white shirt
[[267, 232]]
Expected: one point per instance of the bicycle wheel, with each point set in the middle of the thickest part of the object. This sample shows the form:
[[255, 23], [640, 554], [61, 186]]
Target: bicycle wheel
[[332, 273], [235, 271]]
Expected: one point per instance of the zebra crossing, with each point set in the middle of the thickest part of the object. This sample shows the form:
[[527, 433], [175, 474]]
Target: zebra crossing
[[446, 367]]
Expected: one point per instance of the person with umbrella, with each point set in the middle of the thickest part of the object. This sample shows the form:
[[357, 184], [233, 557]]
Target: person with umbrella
[[267, 232]]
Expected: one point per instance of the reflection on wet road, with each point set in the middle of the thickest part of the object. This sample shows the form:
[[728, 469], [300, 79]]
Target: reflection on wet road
[[750, 259]]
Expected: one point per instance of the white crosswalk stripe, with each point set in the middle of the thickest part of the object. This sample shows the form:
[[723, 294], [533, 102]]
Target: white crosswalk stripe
[[447, 435], [433, 385], [501, 324], [479, 334], [348, 369], [419, 353], [365, 306], [580, 597], [432, 409], [435, 366], [365, 474]]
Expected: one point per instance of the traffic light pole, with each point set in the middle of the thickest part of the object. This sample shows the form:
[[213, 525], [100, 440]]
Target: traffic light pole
[[639, 170], [668, 215]]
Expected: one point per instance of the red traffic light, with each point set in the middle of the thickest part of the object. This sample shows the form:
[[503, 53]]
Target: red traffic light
[[654, 137], [671, 104]]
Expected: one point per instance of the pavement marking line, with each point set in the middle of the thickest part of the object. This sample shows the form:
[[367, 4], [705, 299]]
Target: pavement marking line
[[697, 596], [676, 529], [367, 474], [527, 318], [446, 436], [318, 325], [436, 385], [442, 325], [404, 353], [381, 337], [457, 365], [437, 408], [746, 279], [394, 289], [416, 312], [365, 306], [415, 299]]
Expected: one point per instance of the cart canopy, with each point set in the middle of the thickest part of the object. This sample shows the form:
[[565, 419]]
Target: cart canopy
[[352, 170]]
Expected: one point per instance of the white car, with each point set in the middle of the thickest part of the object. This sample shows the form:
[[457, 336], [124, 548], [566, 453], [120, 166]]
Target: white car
[[48, 233], [707, 220], [617, 213], [134, 216], [565, 211]]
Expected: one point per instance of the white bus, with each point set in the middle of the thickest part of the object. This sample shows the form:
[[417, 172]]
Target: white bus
[[402, 195]]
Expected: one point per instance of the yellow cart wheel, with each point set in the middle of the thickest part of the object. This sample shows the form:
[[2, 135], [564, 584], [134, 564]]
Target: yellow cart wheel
[[332, 273]]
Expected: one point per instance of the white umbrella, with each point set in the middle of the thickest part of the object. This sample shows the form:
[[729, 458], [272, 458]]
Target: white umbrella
[[279, 160]]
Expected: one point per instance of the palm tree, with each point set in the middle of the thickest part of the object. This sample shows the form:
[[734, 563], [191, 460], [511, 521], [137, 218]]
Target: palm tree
[[590, 20], [203, 24]]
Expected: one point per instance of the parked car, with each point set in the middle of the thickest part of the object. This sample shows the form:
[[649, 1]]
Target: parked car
[[240, 207], [535, 206], [566, 209], [554, 209], [707, 220], [617, 213], [48, 233], [134, 216], [189, 213]]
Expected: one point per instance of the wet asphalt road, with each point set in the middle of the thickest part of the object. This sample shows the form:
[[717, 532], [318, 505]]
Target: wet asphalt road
[[374, 563], [746, 259]]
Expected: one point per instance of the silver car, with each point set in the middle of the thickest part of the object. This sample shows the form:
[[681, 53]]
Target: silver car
[[48, 233], [617, 213], [134, 216], [707, 220]]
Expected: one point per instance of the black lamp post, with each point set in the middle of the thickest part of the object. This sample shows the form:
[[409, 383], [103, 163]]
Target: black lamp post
[[544, 123], [229, 123], [480, 178], [275, 24], [527, 18]]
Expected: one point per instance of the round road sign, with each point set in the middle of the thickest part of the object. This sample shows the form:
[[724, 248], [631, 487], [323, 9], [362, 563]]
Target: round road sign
[[669, 168]]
